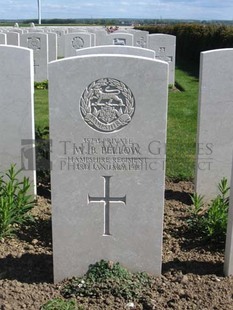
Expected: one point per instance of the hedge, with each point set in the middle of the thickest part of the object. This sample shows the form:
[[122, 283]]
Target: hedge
[[191, 39]]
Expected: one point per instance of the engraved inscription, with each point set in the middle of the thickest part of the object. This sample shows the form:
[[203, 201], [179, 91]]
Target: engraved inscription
[[119, 41], [107, 105], [87, 163], [141, 42], [107, 199], [112, 154], [34, 43], [77, 43], [162, 55]]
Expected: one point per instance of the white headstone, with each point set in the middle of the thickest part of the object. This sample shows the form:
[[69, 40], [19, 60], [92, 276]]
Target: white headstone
[[120, 31], [228, 263], [36, 30], [93, 39], [140, 38], [60, 41], [38, 42], [215, 130], [3, 38], [100, 36], [117, 49], [13, 38], [17, 111], [108, 174], [76, 29], [119, 39], [52, 46], [76, 41], [20, 31], [164, 46]]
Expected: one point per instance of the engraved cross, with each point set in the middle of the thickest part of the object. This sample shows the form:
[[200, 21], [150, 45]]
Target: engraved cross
[[106, 199], [162, 55], [35, 65]]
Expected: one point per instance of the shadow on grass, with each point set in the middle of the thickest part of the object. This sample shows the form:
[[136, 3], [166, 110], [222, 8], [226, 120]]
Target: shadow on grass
[[29, 268], [195, 267], [189, 67]]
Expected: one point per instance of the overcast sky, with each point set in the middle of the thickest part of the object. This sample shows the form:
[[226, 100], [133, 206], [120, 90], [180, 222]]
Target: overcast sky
[[177, 9]]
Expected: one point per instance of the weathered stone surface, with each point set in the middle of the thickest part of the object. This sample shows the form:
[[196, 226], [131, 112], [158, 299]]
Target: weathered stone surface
[[117, 49], [38, 42], [215, 133], [108, 127], [17, 111], [164, 46]]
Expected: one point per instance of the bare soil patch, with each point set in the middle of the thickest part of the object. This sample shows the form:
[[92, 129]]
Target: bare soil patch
[[192, 276]]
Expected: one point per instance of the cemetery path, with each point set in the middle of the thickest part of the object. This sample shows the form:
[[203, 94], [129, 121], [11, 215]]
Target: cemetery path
[[192, 276]]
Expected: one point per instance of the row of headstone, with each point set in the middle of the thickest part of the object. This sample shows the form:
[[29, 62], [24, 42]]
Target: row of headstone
[[103, 161], [68, 41], [44, 47], [106, 103], [104, 148], [38, 42]]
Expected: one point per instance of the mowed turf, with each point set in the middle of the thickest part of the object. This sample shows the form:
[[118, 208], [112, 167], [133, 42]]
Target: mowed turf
[[182, 126]]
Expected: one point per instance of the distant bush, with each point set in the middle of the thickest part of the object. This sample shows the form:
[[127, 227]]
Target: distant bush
[[192, 39]]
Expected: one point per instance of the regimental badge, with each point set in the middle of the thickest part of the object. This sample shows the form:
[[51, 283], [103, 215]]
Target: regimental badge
[[34, 43], [107, 105], [77, 43], [141, 42]]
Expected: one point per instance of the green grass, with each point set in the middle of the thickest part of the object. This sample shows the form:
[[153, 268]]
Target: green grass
[[41, 108], [182, 124]]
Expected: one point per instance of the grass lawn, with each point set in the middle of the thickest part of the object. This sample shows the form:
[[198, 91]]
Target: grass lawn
[[181, 131], [182, 122], [41, 108]]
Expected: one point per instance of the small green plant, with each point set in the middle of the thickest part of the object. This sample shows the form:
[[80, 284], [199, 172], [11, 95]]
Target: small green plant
[[105, 278], [60, 304], [15, 202], [211, 220], [42, 132], [41, 85]]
